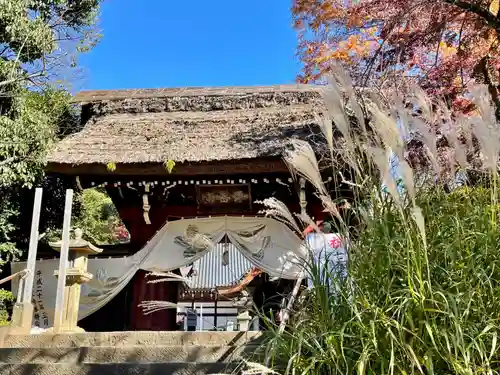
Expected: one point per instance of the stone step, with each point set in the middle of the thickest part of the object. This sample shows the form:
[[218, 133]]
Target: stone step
[[129, 354], [120, 369], [130, 338]]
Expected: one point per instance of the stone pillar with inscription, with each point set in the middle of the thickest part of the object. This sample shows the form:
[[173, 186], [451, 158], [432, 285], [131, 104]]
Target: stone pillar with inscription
[[76, 275]]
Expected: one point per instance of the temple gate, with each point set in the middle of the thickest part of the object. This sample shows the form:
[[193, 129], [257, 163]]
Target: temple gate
[[169, 154]]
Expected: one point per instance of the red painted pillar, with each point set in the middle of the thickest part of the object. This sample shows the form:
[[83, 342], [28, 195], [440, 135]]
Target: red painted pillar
[[164, 320]]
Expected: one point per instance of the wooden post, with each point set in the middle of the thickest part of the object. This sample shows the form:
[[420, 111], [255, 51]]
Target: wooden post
[[63, 260], [30, 264], [215, 313], [286, 313], [20, 291], [22, 313]]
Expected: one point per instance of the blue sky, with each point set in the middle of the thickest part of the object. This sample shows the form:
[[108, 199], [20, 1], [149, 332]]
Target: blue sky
[[171, 43]]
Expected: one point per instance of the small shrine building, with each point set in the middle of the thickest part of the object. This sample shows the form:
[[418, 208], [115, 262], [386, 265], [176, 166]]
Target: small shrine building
[[168, 154]]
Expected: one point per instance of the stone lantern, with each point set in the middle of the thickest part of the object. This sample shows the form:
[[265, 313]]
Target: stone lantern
[[76, 275], [244, 320], [243, 305]]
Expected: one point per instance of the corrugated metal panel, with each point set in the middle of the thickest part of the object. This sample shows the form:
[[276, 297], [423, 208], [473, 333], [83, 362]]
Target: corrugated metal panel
[[210, 270]]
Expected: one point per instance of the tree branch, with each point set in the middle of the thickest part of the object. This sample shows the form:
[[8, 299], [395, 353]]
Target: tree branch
[[492, 89], [490, 19], [7, 161], [459, 49], [20, 78]]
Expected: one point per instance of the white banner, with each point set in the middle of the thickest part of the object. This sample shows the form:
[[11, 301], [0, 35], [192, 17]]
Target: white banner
[[265, 242], [329, 251]]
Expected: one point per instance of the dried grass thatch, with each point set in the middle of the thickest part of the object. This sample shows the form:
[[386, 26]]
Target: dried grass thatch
[[189, 125], [220, 124]]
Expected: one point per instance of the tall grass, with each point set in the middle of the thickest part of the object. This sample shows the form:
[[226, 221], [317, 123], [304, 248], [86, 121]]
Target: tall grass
[[423, 292]]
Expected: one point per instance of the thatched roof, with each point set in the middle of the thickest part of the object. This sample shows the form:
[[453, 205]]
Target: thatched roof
[[189, 124]]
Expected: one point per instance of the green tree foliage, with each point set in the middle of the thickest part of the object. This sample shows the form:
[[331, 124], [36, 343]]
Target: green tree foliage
[[98, 217], [36, 39], [6, 300], [31, 32], [25, 138], [27, 133], [94, 212]]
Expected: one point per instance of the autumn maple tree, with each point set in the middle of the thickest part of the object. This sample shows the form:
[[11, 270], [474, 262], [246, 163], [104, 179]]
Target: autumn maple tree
[[442, 45]]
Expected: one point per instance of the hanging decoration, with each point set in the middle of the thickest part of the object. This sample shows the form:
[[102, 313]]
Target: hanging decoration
[[145, 205], [184, 182]]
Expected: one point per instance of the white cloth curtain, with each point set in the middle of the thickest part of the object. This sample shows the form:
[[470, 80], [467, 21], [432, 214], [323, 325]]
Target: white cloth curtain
[[181, 242], [267, 243]]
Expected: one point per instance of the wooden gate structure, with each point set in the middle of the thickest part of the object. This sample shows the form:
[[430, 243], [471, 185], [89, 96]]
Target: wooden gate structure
[[164, 154]]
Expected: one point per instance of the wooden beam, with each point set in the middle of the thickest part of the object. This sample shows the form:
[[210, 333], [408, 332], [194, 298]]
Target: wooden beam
[[248, 166]]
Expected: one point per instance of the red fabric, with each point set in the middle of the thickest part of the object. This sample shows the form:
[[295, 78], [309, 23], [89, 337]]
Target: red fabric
[[310, 228], [252, 274], [164, 320]]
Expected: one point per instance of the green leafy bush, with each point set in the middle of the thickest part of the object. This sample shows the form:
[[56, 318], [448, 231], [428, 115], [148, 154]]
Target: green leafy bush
[[97, 217], [6, 299]]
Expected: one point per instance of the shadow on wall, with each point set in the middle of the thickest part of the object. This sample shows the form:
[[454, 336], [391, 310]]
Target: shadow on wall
[[113, 316]]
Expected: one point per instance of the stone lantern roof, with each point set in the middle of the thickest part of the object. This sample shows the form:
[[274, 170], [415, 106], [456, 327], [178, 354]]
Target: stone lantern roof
[[77, 244]]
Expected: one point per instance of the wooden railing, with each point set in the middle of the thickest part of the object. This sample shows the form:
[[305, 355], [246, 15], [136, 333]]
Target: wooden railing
[[22, 277], [21, 274]]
